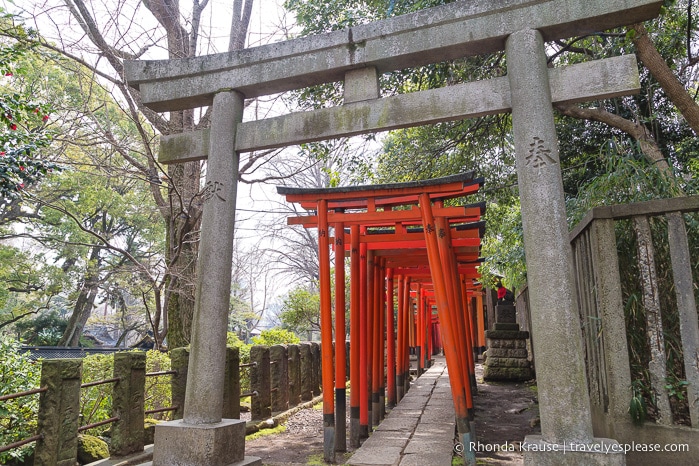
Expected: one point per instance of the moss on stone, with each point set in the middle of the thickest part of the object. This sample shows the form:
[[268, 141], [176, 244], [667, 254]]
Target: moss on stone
[[91, 449], [149, 430]]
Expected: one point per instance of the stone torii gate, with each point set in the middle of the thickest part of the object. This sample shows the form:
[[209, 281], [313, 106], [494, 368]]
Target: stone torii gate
[[357, 56]]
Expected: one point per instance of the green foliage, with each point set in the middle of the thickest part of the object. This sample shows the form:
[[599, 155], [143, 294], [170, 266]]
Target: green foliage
[[44, 330], [27, 284], [17, 417], [96, 402], [235, 342], [301, 310], [626, 179], [637, 406], [275, 336], [158, 389], [503, 246], [23, 118]]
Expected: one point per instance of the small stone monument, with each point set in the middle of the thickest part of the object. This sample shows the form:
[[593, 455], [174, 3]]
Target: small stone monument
[[506, 358]]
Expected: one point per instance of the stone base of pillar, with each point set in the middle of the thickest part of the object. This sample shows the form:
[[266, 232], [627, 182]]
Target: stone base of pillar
[[599, 451], [219, 444]]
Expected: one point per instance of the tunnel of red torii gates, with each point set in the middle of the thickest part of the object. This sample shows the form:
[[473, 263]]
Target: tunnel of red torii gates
[[410, 251]]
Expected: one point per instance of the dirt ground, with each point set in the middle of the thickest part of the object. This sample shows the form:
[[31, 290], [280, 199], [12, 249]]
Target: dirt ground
[[504, 412]]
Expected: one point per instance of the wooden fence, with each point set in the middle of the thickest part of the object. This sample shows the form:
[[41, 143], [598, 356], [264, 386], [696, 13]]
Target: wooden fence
[[602, 298]]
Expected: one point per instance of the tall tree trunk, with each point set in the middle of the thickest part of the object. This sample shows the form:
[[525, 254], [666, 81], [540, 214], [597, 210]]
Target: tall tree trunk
[[646, 141], [676, 92], [84, 303]]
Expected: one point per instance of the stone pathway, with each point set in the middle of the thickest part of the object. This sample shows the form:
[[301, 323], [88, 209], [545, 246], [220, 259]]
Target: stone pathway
[[419, 431]]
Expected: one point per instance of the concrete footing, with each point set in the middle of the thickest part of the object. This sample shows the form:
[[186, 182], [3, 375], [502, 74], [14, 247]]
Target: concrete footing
[[219, 444], [599, 451]]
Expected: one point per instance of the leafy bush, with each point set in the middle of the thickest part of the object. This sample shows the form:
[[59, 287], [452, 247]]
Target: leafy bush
[[18, 417], [96, 402], [275, 336], [158, 389]]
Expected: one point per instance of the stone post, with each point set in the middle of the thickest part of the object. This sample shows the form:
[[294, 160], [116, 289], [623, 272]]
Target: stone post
[[306, 372], [563, 395], [231, 384], [128, 403], [260, 383], [294, 375], [317, 364], [203, 437], [59, 413], [179, 362], [204, 397], [279, 377]]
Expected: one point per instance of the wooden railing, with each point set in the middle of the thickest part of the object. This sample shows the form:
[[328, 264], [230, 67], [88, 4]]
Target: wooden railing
[[602, 296]]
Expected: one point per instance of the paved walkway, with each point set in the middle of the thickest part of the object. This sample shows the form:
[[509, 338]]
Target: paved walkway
[[420, 430]]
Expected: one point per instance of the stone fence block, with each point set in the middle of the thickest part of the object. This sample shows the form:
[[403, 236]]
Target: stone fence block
[[128, 398], [59, 413], [279, 377], [231, 384], [179, 362], [261, 402], [306, 372], [294, 375], [317, 381]]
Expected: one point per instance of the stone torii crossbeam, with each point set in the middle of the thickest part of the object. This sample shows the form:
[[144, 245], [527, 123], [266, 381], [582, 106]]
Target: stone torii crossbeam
[[357, 56]]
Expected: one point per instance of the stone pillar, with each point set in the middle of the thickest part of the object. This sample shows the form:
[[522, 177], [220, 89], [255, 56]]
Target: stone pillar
[[306, 372], [317, 375], [279, 374], [261, 401], [59, 411], [203, 437], [179, 362], [294, 375], [128, 403], [204, 398], [231, 384], [563, 395]]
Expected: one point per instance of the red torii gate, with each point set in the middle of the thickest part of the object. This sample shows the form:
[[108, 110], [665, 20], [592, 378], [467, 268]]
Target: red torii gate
[[393, 232]]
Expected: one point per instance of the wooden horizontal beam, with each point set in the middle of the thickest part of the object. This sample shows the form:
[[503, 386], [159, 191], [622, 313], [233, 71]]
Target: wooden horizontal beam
[[389, 218]]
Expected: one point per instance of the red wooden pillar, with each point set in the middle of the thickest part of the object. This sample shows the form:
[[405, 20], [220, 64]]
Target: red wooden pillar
[[450, 344], [362, 388], [340, 346], [430, 334], [408, 332], [355, 339], [382, 337], [480, 341], [453, 284], [470, 316], [421, 331], [377, 361], [390, 341], [326, 333], [401, 345], [371, 337]]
